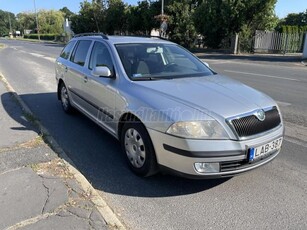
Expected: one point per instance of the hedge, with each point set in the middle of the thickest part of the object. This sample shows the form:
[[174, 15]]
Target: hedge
[[294, 29], [48, 37]]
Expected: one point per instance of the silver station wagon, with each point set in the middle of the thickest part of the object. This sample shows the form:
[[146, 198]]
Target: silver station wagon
[[167, 108]]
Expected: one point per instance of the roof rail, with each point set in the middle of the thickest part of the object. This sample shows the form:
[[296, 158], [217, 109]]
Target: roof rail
[[155, 36], [92, 34], [146, 36]]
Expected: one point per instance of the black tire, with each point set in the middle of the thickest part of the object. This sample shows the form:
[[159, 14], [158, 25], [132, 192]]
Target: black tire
[[64, 98], [138, 149]]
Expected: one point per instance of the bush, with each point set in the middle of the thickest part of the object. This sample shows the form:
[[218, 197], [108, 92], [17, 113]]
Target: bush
[[293, 29], [47, 37]]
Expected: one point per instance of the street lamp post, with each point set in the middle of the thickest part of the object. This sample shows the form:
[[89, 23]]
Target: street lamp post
[[37, 25]]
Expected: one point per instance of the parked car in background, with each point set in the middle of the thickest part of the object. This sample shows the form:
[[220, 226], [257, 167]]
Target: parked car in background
[[167, 108]]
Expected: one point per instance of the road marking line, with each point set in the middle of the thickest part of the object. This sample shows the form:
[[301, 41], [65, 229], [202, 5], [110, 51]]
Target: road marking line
[[281, 103], [215, 62], [50, 59], [263, 75], [295, 141], [37, 55], [43, 56], [296, 133]]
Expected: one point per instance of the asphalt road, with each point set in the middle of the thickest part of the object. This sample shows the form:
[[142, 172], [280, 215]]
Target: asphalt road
[[271, 197]]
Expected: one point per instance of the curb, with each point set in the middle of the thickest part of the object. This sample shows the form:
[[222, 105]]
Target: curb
[[106, 212], [293, 60], [38, 41]]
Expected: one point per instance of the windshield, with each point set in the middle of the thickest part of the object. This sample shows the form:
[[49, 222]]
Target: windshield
[[152, 61]]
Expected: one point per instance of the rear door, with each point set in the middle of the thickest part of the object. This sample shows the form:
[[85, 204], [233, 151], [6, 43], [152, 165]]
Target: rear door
[[75, 76], [63, 62]]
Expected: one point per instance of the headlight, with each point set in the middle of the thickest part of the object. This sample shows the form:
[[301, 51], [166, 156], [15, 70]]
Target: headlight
[[198, 130]]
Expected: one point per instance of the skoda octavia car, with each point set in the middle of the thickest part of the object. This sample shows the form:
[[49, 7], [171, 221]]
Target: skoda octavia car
[[167, 108]]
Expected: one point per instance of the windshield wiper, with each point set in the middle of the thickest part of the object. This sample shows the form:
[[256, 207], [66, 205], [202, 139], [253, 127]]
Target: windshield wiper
[[144, 78]]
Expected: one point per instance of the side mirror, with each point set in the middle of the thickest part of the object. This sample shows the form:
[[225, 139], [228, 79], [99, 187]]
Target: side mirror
[[102, 71]]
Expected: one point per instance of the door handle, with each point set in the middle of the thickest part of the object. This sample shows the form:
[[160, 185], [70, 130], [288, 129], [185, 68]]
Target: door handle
[[85, 79]]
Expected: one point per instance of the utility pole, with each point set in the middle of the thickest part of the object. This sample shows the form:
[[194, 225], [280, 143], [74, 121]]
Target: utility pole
[[162, 7], [163, 26], [10, 25], [37, 25]]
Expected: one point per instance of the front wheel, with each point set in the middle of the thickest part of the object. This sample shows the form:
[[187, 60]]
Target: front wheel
[[64, 97], [138, 148]]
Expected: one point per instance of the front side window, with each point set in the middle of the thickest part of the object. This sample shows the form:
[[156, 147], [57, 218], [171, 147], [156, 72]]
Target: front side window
[[143, 61], [67, 50], [79, 55], [100, 56]]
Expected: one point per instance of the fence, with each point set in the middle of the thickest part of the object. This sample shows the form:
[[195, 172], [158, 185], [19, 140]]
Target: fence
[[274, 42]]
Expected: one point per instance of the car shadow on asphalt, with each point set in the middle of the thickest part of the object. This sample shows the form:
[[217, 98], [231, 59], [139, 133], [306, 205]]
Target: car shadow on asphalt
[[98, 156], [13, 109], [53, 44]]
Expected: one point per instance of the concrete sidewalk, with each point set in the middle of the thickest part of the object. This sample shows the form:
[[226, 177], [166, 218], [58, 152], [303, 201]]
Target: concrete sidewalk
[[37, 189]]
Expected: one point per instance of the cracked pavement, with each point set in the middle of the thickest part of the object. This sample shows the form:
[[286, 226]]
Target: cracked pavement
[[36, 189]]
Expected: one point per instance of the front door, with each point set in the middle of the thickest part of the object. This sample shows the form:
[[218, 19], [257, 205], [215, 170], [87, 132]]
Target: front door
[[100, 91]]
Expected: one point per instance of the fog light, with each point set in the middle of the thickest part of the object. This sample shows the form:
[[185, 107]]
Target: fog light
[[204, 167]]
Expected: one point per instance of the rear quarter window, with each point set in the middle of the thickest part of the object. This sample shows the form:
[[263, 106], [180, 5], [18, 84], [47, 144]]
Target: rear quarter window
[[80, 53], [67, 50]]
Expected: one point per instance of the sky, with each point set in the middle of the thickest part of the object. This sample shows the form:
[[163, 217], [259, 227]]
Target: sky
[[283, 7]]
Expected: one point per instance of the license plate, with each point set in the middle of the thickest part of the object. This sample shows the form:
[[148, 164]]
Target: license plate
[[264, 150]]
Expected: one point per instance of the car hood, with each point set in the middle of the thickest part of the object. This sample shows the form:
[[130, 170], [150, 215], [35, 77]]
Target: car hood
[[215, 95]]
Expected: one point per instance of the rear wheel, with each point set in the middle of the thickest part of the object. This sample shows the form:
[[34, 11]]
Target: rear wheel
[[64, 97], [138, 148]]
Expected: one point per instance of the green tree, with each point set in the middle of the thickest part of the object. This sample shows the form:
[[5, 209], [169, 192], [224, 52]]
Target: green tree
[[7, 18], [115, 16], [293, 23], [209, 20], [133, 19], [90, 18], [67, 13], [140, 18], [50, 22], [181, 27], [26, 21], [293, 19], [217, 19]]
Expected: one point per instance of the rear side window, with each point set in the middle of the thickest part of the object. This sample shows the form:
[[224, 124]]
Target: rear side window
[[67, 50], [79, 55]]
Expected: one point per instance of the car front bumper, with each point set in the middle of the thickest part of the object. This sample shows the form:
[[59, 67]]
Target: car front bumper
[[180, 155]]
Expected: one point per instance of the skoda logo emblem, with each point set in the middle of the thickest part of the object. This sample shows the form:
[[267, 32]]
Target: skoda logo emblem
[[260, 115]]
